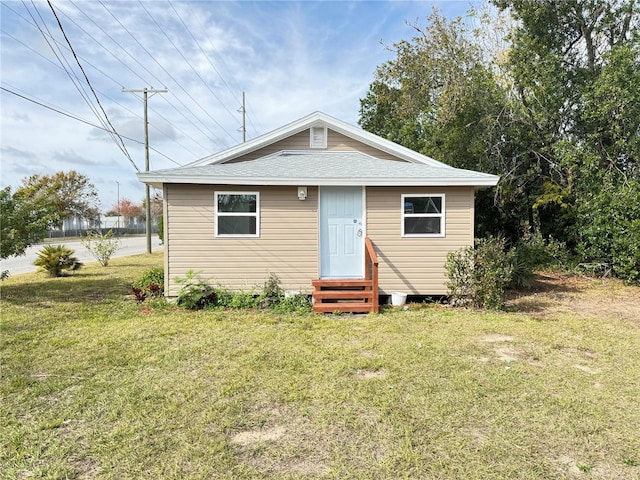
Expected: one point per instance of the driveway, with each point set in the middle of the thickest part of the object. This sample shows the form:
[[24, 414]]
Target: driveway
[[129, 246]]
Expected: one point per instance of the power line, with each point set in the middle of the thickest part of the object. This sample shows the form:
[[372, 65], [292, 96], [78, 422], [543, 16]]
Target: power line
[[118, 59], [216, 139], [87, 78], [205, 56], [192, 69], [74, 117], [213, 47], [78, 85], [205, 149]]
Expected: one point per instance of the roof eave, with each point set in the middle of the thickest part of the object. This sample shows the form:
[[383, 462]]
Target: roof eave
[[155, 180]]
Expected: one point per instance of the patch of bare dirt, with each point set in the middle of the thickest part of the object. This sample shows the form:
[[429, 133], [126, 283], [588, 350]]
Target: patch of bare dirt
[[496, 337], [553, 293], [276, 448], [252, 437], [369, 374]]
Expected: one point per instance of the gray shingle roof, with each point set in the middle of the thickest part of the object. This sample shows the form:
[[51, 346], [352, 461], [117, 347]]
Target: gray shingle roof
[[321, 168]]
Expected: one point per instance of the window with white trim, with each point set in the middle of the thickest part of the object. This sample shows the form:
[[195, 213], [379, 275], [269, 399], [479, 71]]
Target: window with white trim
[[423, 215], [318, 137], [237, 214]]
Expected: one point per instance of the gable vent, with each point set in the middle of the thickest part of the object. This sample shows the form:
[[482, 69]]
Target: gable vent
[[318, 137]]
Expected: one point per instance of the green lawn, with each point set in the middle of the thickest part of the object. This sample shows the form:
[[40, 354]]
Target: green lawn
[[95, 386]]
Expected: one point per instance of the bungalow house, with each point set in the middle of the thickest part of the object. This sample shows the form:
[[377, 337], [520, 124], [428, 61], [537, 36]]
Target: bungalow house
[[331, 209]]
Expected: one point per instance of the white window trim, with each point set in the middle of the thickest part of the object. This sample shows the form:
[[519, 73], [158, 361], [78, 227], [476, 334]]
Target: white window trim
[[313, 144], [236, 214], [442, 216]]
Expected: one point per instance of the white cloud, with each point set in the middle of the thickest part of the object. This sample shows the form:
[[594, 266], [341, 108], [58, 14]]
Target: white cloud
[[291, 58]]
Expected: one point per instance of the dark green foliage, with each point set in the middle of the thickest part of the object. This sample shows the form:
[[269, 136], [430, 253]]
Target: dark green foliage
[[298, 303], [195, 294], [23, 223], [55, 259], [151, 283], [161, 228], [532, 253], [550, 102], [478, 276], [608, 228]]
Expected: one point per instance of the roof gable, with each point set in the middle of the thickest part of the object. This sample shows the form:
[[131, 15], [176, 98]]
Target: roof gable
[[354, 157], [317, 119]]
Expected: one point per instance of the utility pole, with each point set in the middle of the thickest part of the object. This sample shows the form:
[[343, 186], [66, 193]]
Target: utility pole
[[145, 91]]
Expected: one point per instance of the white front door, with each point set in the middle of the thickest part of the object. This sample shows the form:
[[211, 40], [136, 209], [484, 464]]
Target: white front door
[[341, 232]]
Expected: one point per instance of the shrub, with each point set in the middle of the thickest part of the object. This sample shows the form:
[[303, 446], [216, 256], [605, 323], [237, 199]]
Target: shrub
[[102, 247], [54, 259], [479, 276], [151, 282], [298, 303], [195, 294]]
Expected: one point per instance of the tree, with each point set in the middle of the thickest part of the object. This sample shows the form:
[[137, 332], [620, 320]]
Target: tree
[[128, 210], [442, 96], [66, 194], [554, 110], [575, 65], [23, 223]]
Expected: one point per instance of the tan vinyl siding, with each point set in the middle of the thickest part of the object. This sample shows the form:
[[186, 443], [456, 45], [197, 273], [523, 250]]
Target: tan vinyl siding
[[416, 265], [287, 245], [300, 141]]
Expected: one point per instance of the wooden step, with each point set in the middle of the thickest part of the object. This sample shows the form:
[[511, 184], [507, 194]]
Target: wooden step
[[343, 295], [341, 283], [343, 307]]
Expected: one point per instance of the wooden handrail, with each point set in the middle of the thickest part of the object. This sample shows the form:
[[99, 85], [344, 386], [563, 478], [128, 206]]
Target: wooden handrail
[[371, 271]]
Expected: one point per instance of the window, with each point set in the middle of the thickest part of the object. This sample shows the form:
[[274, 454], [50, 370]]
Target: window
[[423, 215], [318, 137], [237, 214]]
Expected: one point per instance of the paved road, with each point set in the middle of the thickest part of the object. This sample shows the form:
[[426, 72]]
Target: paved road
[[130, 246]]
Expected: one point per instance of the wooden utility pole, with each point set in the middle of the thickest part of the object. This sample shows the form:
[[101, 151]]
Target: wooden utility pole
[[145, 91]]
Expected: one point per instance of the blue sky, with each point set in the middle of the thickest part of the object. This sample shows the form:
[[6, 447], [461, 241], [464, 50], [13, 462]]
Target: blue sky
[[291, 59]]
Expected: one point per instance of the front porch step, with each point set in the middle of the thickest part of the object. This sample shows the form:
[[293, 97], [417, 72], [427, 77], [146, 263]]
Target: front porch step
[[343, 295]]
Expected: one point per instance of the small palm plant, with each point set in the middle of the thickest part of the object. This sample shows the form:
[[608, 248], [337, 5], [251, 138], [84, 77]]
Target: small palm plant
[[54, 259]]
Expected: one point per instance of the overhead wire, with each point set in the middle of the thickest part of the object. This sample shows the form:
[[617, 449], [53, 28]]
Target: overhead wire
[[106, 117], [195, 40], [215, 138], [75, 117], [213, 47], [71, 74], [164, 32], [124, 107], [145, 81]]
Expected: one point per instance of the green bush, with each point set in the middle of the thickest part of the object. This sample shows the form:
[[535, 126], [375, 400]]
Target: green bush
[[102, 247], [195, 294], [478, 276], [151, 283], [298, 303], [54, 259]]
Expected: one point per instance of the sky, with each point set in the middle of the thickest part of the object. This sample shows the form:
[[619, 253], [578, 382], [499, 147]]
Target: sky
[[289, 58]]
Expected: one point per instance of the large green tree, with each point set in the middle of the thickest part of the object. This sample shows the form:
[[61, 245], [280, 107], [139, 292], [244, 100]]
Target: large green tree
[[553, 107], [575, 66], [66, 194]]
